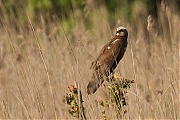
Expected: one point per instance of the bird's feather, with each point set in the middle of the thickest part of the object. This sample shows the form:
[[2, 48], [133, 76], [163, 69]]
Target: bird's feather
[[107, 60]]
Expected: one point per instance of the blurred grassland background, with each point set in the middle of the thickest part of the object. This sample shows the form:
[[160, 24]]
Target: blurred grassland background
[[47, 45]]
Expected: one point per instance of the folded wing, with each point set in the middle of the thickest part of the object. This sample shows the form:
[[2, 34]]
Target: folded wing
[[104, 64]]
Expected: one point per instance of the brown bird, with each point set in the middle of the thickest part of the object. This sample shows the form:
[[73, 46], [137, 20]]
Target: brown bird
[[108, 58]]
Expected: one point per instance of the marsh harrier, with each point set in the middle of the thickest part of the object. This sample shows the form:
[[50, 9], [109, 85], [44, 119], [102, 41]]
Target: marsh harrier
[[108, 58]]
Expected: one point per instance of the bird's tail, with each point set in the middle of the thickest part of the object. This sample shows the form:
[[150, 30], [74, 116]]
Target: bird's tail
[[94, 85]]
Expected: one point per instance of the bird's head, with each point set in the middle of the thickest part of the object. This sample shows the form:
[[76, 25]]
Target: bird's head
[[121, 31]]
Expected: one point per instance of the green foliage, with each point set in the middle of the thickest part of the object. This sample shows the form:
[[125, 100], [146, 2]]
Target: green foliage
[[65, 10], [73, 106], [71, 99], [39, 4], [12, 11], [122, 7], [117, 89]]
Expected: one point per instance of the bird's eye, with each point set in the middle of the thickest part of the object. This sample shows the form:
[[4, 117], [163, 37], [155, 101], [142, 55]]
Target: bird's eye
[[119, 31]]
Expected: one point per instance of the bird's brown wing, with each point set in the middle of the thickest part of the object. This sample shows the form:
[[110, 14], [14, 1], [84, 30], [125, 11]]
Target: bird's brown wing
[[107, 55], [102, 66]]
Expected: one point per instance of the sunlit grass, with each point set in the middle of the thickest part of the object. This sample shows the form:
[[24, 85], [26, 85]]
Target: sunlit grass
[[37, 66]]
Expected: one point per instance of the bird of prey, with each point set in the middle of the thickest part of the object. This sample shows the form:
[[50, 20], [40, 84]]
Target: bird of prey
[[108, 59]]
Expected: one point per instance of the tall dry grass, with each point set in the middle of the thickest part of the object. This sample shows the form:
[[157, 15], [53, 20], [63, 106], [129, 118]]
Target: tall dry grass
[[39, 61]]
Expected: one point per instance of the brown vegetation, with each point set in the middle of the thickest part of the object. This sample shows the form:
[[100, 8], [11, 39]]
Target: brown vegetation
[[36, 66]]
